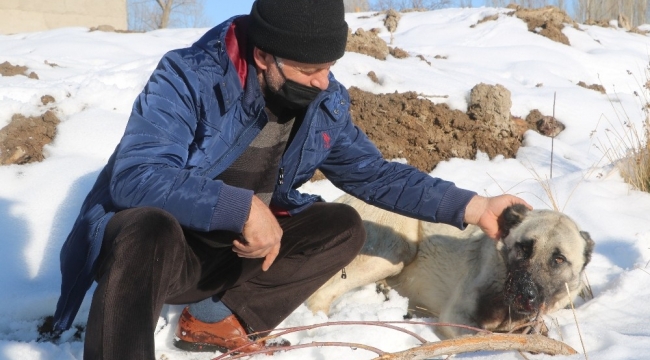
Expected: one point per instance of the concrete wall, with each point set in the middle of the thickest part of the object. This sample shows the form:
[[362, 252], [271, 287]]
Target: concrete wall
[[35, 15]]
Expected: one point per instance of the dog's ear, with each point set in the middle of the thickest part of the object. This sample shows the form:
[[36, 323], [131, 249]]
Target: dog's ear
[[511, 217], [589, 247]]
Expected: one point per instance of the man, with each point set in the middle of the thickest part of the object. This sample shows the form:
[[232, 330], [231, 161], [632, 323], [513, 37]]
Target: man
[[199, 204]]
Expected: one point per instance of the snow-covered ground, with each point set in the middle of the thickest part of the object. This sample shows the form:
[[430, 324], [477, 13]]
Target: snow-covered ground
[[99, 75]]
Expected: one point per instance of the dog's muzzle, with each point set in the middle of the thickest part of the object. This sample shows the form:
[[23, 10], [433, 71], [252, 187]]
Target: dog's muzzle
[[521, 292]]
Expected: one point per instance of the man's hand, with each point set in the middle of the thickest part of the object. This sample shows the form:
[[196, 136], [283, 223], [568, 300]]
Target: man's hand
[[261, 235], [485, 211]]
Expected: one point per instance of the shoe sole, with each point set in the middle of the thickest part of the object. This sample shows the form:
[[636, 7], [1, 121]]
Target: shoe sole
[[198, 347]]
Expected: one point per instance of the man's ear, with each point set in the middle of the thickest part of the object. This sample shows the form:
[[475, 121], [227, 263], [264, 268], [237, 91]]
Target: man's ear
[[261, 58], [511, 217]]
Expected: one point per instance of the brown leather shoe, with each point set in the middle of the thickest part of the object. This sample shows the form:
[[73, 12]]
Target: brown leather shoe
[[225, 335]]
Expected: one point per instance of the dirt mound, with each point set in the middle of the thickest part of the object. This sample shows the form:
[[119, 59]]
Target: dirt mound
[[7, 69], [491, 105], [547, 21], [404, 125], [392, 20], [544, 124], [22, 141], [367, 43], [596, 87]]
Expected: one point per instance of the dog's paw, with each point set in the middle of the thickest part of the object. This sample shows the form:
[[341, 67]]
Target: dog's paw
[[383, 288]]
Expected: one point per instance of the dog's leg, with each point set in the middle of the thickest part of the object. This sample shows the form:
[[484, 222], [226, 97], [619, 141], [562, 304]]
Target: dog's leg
[[458, 311], [361, 271], [384, 254]]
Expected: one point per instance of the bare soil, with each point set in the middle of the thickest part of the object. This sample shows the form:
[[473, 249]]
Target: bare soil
[[408, 126], [547, 21], [402, 125], [367, 43], [596, 87], [7, 69], [22, 141], [544, 124]]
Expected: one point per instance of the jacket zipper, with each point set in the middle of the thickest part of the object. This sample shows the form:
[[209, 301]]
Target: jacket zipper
[[281, 176]]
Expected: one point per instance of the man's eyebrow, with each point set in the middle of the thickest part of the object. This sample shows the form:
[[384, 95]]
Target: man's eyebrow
[[315, 68]]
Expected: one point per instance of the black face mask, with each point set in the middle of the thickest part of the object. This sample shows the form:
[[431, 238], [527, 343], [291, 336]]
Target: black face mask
[[293, 95]]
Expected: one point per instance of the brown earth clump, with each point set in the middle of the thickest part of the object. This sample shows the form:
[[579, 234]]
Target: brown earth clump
[[103, 28], [398, 53], [373, 77], [392, 20], [421, 57], [636, 30], [7, 69], [367, 43], [544, 124], [490, 105], [601, 23], [547, 21], [493, 17], [404, 125], [47, 99], [22, 141], [596, 87]]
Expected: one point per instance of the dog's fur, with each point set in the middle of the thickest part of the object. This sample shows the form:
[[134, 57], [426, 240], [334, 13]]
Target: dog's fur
[[463, 277]]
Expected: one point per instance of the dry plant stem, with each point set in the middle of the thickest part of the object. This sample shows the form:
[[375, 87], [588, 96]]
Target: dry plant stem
[[576, 320], [522, 355], [301, 346], [589, 293], [643, 270], [553, 137], [386, 324], [558, 329], [489, 342]]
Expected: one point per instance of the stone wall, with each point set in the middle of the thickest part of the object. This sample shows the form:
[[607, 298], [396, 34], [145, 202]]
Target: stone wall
[[18, 16]]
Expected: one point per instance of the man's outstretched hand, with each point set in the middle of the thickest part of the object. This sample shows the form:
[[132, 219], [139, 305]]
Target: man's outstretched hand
[[261, 235], [485, 211]]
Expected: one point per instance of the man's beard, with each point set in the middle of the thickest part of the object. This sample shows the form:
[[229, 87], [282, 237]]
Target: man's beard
[[272, 82]]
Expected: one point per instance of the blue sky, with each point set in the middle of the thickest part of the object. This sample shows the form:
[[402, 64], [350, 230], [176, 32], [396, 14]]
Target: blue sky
[[220, 10]]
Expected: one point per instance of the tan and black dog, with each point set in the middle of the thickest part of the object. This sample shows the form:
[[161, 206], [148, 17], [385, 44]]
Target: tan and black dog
[[463, 277]]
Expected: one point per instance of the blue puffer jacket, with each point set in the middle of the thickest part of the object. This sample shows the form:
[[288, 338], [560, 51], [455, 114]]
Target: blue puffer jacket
[[192, 120]]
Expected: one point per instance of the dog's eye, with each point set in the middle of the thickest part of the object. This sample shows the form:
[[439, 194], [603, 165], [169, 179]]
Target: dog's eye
[[559, 259], [524, 249]]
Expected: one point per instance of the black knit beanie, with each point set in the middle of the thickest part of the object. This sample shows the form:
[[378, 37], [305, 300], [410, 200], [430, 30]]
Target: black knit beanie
[[306, 31]]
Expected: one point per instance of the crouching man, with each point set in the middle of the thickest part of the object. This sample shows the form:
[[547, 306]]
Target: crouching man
[[199, 204]]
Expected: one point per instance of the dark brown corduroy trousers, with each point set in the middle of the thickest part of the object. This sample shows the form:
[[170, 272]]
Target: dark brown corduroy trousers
[[148, 259]]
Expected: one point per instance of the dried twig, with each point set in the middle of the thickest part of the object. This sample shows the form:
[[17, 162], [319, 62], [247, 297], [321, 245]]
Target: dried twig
[[232, 354], [270, 350], [576, 320], [489, 342], [553, 137], [484, 341], [387, 324], [432, 95], [637, 267]]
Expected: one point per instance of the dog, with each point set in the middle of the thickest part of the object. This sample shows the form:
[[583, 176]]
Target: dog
[[465, 277]]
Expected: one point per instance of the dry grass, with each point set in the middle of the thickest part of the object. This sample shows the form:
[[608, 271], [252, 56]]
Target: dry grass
[[629, 148], [584, 350]]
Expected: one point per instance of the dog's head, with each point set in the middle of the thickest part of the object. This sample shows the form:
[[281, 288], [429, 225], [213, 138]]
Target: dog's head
[[543, 251]]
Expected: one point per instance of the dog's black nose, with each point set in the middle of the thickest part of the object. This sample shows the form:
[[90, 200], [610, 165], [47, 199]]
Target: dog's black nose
[[529, 294]]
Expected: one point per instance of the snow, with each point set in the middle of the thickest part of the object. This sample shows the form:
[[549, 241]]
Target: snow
[[98, 75]]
